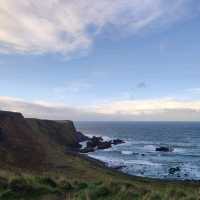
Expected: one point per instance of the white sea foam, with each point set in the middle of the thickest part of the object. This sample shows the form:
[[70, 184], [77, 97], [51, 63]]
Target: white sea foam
[[84, 144], [110, 162], [179, 150], [106, 138], [191, 170], [126, 152], [142, 162], [150, 147]]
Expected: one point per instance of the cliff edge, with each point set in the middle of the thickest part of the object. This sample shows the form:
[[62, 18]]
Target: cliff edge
[[35, 143]]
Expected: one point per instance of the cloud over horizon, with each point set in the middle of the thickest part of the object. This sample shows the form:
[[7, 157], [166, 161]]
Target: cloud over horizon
[[66, 27], [164, 109]]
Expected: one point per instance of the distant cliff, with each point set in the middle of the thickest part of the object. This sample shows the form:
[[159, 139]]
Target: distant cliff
[[35, 143]]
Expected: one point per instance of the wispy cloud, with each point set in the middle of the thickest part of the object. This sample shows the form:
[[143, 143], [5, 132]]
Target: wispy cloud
[[35, 26], [153, 109]]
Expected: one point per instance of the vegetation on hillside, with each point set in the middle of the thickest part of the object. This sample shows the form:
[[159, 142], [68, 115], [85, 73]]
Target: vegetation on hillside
[[115, 187]]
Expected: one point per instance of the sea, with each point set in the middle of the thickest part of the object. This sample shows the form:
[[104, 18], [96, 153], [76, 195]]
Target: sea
[[138, 155]]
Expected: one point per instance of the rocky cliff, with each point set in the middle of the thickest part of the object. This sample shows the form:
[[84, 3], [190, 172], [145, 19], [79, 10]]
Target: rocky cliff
[[58, 132], [18, 146], [34, 143]]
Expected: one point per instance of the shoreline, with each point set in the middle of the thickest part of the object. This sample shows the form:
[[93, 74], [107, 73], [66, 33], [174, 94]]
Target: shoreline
[[117, 169], [103, 165], [120, 166]]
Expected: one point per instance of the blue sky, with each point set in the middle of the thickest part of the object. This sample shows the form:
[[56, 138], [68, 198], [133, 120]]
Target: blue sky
[[104, 66]]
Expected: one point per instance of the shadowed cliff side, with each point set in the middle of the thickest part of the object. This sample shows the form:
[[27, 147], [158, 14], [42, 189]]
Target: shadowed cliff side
[[35, 143], [60, 132], [18, 145]]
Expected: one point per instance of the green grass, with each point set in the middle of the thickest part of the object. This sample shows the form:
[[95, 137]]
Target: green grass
[[28, 188], [45, 188]]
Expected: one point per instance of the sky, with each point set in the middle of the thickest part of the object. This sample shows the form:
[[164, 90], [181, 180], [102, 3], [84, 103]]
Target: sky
[[101, 60]]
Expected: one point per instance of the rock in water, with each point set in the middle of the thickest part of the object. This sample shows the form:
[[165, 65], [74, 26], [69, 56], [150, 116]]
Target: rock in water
[[173, 170], [94, 142], [98, 143], [104, 145], [117, 141], [164, 149]]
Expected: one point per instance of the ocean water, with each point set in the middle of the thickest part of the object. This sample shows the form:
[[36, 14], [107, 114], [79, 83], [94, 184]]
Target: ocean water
[[138, 156]]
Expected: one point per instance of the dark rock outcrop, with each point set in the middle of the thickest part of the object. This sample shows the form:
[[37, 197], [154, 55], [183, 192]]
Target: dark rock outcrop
[[174, 170], [81, 137], [98, 143], [104, 145], [164, 149], [117, 141], [87, 150], [96, 140], [95, 143]]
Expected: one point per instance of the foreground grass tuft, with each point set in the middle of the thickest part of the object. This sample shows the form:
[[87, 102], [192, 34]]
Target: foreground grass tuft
[[48, 188], [28, 188]]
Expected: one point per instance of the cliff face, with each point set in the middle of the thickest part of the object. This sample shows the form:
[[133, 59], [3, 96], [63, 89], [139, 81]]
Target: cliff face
[[61, 133], [18, 145], [30, 143]]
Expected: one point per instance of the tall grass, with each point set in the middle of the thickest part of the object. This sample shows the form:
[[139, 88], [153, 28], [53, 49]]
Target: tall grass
[[45, 188]]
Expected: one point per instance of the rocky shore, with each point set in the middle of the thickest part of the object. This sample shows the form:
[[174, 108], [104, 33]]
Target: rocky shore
[[97, 143]]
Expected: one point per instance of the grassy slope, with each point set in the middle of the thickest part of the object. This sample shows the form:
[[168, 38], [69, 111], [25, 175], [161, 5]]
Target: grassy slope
[[90, 181]]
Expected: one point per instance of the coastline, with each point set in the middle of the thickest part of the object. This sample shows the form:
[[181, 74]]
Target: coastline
[[144, 155], [103, 165], [117, 169], [81, 174]]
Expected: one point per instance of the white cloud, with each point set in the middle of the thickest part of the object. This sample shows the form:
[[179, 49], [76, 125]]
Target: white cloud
[[41, 109], [151, 110], [152, 106], [68, 26]]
